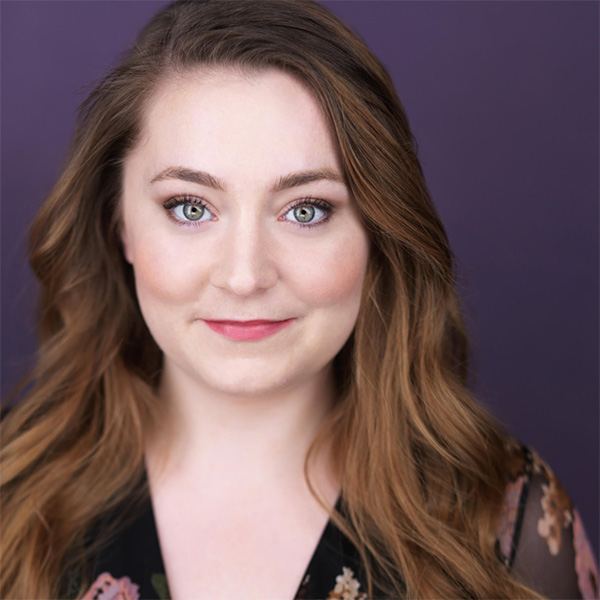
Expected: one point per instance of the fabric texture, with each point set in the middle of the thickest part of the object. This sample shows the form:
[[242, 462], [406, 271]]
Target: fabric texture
[[541, 538]]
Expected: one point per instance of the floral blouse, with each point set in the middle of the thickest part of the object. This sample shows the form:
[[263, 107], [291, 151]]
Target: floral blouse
[[541, 538]]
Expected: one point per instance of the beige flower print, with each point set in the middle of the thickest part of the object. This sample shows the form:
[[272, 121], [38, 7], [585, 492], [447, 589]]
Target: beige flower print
[[346, 587], [557, 508]]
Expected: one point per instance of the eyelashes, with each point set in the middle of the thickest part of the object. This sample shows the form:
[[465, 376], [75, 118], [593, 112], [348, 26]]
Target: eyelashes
[[309, 212], [305, 212], [188, 210]]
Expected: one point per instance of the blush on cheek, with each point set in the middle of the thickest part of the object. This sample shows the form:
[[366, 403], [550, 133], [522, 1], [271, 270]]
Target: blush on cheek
[[161, 274], [337, 277]]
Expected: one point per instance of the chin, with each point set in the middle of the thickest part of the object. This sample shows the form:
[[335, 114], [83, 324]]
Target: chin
[[251, 380]]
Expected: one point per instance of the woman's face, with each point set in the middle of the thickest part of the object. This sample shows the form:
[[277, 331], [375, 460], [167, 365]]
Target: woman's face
[[247, 249]]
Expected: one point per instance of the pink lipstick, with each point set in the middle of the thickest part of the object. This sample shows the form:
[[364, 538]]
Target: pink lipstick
[[247, 331]]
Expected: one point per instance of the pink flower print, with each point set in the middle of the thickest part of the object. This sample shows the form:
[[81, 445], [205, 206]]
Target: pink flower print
[[585, 564], [510, 506], [106, 587]]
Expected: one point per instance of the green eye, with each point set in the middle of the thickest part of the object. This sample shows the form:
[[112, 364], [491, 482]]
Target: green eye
[[309, 212], [193, 212], [188, 210], [304, 214]]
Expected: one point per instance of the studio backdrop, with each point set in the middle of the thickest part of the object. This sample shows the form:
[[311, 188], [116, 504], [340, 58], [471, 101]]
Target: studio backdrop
[[503, 101]]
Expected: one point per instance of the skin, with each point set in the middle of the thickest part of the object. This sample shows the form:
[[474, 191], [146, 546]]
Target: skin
[[244, 412]]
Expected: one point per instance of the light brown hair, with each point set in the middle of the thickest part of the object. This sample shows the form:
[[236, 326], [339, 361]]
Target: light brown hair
[[423, 466]]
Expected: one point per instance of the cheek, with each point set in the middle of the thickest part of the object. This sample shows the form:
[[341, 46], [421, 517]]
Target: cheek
[[335, 275], [163, 274]]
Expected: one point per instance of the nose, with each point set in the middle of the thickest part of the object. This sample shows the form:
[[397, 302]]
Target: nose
[[244, 264]]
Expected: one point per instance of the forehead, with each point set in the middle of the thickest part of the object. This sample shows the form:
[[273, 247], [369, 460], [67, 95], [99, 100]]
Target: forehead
[[232, 122]]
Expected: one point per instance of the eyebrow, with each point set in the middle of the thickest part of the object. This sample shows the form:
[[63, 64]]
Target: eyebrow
[[183, 174], [303, 177], [283, 183]]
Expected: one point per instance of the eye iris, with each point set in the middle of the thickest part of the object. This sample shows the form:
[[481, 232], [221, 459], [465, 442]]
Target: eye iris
[[304, 214], [193, 212]]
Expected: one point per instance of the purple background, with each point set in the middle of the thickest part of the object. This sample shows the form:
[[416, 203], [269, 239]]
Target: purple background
[[503, 100]]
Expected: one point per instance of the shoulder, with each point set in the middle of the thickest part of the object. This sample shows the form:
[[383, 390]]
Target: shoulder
[[541, 536]]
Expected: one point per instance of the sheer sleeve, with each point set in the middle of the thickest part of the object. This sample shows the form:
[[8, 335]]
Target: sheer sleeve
[[542, 538]]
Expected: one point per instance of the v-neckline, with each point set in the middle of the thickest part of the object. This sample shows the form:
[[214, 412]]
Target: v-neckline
[[136, 553], [327, 543]]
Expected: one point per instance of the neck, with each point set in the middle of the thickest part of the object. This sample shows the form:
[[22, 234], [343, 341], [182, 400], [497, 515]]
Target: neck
[[208, 433]]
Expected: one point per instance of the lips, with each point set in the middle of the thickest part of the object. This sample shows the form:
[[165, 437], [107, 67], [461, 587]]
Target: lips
[[248, 331]]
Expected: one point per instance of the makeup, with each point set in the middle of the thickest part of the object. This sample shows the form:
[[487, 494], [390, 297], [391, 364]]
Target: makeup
[[248, 331], [248, 249]]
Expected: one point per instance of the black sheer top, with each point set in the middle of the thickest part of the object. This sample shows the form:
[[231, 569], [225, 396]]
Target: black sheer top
[[541, 538]]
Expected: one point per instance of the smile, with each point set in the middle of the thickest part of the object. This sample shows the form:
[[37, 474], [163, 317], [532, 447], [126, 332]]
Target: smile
[[247, 331]]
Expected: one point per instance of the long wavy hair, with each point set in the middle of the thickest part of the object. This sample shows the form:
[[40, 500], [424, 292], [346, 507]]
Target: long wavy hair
[[423, 467]]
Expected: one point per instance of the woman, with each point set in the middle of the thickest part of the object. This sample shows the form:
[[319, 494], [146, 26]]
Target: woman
[[252, 346]]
